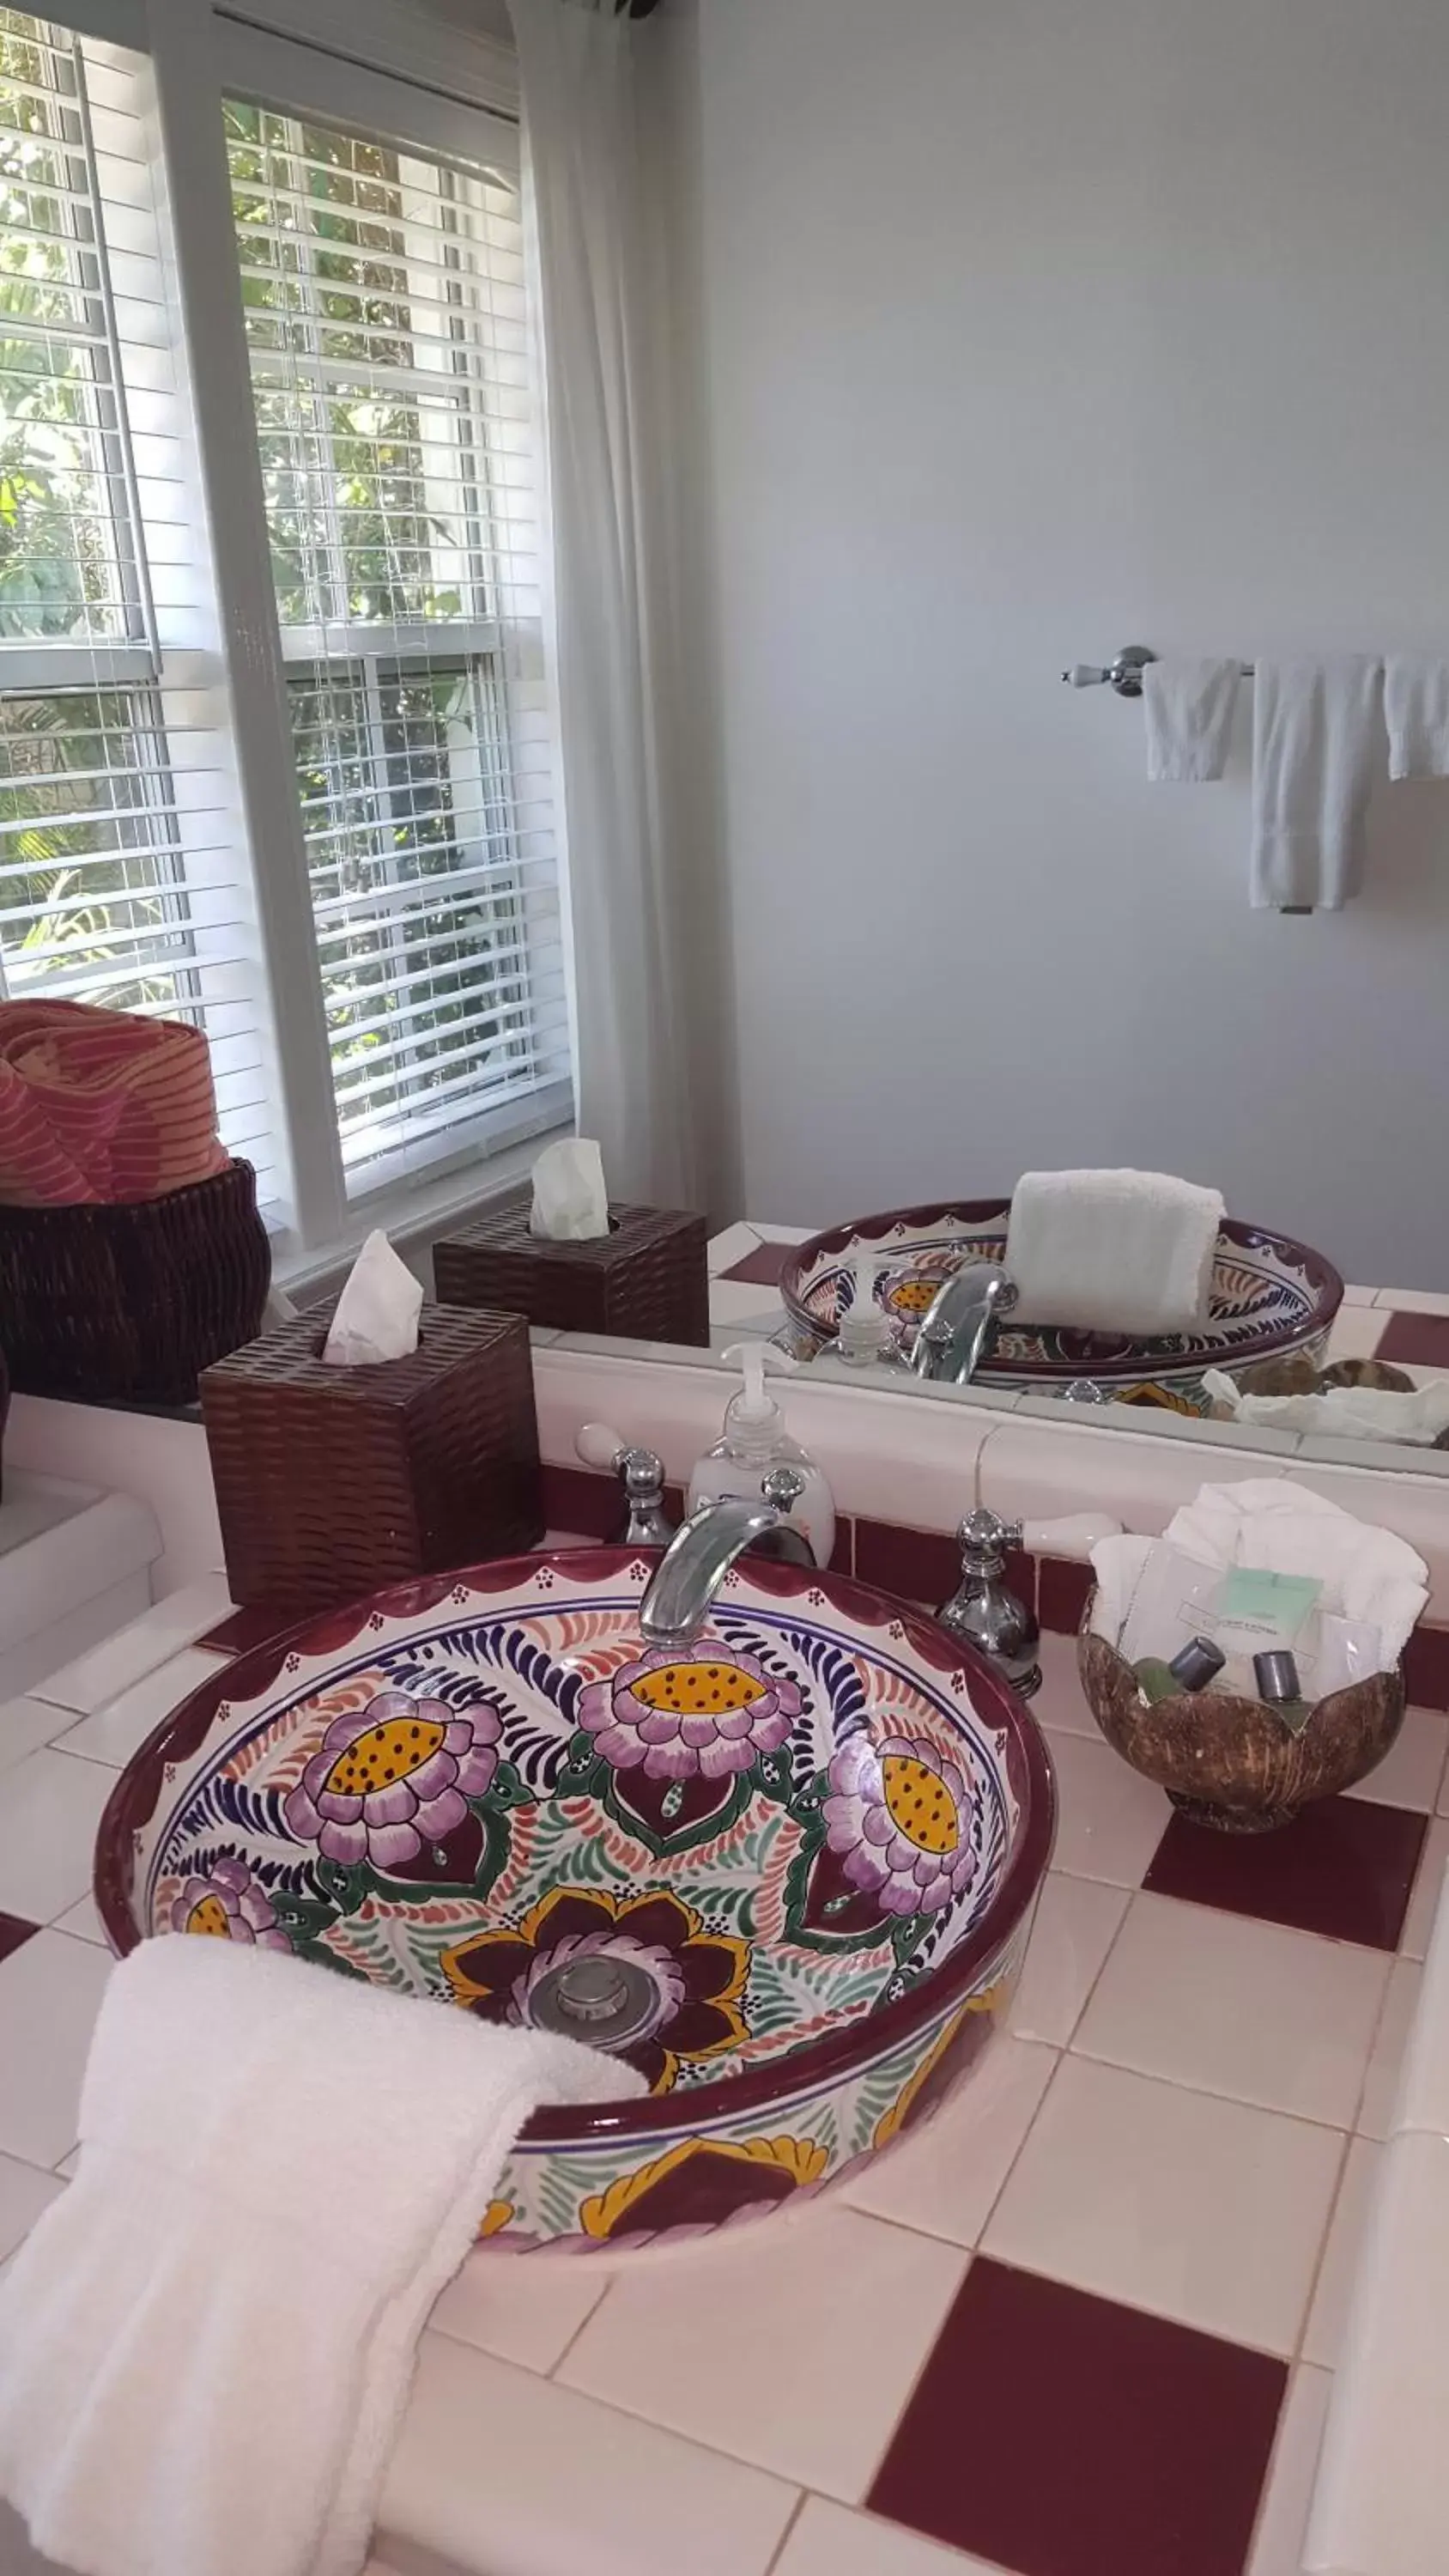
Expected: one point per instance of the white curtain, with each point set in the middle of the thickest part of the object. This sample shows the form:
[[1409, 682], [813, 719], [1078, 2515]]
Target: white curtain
[[597, 229]]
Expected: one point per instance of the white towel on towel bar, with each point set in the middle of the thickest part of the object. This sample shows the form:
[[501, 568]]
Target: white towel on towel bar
[[1189, 710], [1318, 746], [1416, 709], [207, 2342]]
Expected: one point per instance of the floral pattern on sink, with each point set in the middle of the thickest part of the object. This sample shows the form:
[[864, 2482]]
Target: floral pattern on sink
[[806, 1837]]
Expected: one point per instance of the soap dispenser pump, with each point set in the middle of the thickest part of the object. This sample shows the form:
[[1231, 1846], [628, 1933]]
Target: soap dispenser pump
[[754, 1441]]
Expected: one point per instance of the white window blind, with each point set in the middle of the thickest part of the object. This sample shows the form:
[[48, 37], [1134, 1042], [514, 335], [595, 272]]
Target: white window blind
[[122, 878], [384, 305]]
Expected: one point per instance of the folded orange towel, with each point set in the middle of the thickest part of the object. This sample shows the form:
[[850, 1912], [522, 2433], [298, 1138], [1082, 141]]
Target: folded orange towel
[[98, 1107]]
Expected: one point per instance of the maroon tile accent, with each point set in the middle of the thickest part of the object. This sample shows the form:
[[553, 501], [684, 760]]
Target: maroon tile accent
[[763, 1266], [585, 1505], [1062, 1594], [1023, 1577], [1344, 1867], [1103, 2442], [1420, 1341], [843, 1560], [917, 1565], [246, 1628], [1426, 1668], [14, 1931]]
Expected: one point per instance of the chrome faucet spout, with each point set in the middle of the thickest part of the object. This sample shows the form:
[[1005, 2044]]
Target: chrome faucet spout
[[677, 1602], [959, 1325]]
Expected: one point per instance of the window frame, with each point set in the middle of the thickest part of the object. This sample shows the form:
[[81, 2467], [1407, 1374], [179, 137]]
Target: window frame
[[198, 58]]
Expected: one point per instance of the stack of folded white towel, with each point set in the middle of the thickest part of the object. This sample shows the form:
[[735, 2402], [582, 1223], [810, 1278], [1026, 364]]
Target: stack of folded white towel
[[1325, 731], [1113, 1252]]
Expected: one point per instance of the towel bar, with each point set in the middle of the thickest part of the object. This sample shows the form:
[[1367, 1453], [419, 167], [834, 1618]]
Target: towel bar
[[1124, 674]]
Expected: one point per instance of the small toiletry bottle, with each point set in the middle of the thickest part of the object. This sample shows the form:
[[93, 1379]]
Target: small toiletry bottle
[[1191, 1669], [1276, 1675], [755, 1440]]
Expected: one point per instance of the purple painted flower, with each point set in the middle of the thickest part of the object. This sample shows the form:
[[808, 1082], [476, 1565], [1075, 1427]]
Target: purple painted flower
[[392, 1776], [229, 1905], [705, 1712], [897, 1817]]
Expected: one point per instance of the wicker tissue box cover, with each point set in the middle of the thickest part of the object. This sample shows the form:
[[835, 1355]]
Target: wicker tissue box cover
[[647, 1280], [331, 1482]]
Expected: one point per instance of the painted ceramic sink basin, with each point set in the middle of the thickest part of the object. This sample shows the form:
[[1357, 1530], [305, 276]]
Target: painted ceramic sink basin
[[1270, 1297], [812, 1845]]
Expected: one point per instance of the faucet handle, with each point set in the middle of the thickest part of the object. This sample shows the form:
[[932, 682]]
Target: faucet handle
[[641, 1474], [983, 1536], [783, 1487]]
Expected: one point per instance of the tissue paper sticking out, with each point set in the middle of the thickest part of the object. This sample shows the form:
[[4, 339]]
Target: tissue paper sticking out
[[377, 1312], [570, 1202]]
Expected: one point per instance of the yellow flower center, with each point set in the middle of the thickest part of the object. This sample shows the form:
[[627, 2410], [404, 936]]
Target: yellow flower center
[[387, 1752], [919, 1803], [209, 1916], [698, 1690], [913, 1296]]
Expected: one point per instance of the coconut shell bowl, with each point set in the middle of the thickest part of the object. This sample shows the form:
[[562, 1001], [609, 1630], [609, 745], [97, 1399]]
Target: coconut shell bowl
[[1230, 1763], [788, 1874]]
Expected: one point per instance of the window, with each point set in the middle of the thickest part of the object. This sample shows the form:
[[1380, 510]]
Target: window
[[110, 765], [383, 295], [413, 1017]]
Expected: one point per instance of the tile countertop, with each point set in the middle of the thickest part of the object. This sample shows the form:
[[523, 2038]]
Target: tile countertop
[[1084, 2323]]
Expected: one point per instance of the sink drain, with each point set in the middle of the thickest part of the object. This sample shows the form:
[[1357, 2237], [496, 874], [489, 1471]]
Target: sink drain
[[606, 2002]]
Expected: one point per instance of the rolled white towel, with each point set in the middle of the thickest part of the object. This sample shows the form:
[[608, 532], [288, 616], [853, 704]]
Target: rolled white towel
[[1113, 1252]]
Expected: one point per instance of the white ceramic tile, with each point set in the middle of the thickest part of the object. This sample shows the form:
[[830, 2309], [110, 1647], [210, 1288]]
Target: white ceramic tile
[[736, 1243], [685, 2343], [50, 1993], [82, 1922], [1059, 1705], [24, 2192], [1381, 2083], [1035, 1471], [1409, 1504], [1230, 2005], [829, 2540], [784, 1233], [26, 1724], [50, 1807], [1357, 1333], [1179, 2202], [1110, 1819], [1412, 1769], [69, 2165], [1283, 2519], [1323, 2337], [114, 1732], [1442, 1801], [1353, 1296], [1428, 1889], [502, 2473], [743, 1301], [527, 2311], [944, 2177], [1411, 1301], [150, 1640], [1077, 1920]]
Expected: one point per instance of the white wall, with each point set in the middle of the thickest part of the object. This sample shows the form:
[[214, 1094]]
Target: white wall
[[1032, 331]]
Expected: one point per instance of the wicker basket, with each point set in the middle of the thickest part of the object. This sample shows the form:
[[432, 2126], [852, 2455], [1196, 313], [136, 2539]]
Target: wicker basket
[[1229, 1762], [333, 1482], [110, 1303], [647, 1279]]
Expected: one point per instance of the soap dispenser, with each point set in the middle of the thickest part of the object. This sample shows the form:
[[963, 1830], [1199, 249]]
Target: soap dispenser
[[753, 1441]]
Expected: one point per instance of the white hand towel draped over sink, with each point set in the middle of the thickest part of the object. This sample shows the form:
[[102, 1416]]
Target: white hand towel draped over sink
[[1113, 1252], [207, 2342]]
